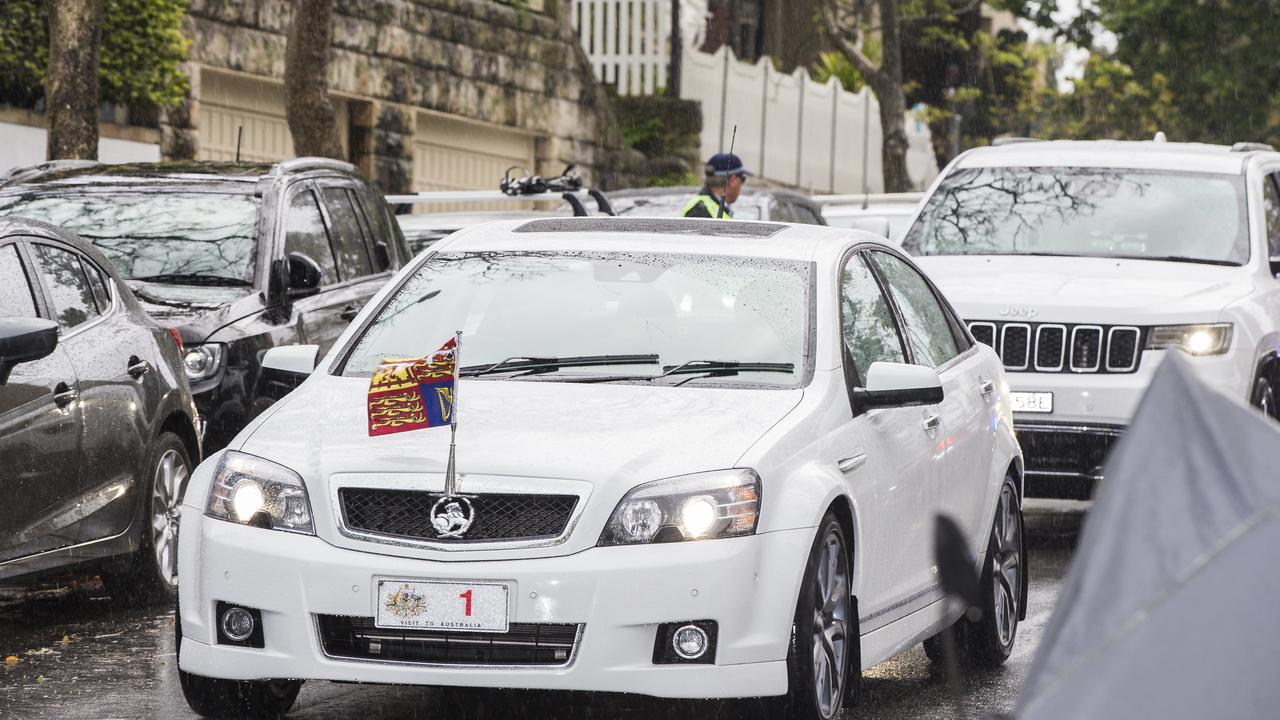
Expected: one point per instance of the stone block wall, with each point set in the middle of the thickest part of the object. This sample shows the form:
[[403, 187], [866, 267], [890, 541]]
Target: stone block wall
[[480, 60]]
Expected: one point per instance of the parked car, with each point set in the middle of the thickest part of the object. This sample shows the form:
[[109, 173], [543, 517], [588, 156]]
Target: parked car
[[1086, 263], [98, 431], [422, 229], [755, 203], [888, 214], [695, 459], [238, 258]]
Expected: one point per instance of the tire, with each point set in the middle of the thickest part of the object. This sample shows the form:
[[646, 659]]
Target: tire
[[151, 574], [988, 641], [233, 699], [1264, 398], [819, 674]]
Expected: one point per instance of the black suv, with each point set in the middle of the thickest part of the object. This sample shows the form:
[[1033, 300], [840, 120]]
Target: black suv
[[237, 258]]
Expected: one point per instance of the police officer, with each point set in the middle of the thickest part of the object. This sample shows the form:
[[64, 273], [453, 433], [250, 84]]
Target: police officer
[[725, 177]]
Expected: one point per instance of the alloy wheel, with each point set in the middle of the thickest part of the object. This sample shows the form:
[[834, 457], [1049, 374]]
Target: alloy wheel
[[166, 512], [1006, 570], [830, 623]]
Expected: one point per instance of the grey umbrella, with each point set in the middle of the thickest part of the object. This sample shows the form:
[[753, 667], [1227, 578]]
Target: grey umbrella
[[1171, 607]]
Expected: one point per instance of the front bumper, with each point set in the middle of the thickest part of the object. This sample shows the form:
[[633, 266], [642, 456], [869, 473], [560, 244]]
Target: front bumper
[[619, 596]]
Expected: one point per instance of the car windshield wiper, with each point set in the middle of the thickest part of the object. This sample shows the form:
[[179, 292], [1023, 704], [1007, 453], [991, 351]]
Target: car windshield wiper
[[710, 368], [534, 365], [1178, 258], [194, 279]]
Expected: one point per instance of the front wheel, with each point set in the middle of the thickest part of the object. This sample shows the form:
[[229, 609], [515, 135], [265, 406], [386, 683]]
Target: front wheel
[[1264, 398], [824, 641]]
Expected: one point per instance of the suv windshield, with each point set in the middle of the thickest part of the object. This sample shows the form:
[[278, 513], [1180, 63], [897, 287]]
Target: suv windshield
[[176, 237], [545, 304], [1087, 212]]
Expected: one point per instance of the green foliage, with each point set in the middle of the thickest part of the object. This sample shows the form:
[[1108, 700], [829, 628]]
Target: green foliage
[[142, 48], [836, 65], [1109, 102]]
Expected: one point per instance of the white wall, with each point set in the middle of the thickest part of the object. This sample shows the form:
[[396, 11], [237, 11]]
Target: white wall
[[25, 145]]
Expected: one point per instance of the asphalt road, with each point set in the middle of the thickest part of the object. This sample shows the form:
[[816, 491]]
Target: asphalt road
[[82, 656]]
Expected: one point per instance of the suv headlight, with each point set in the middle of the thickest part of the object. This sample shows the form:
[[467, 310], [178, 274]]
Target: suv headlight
[[1213, 339], [719, 504], [201, 362], [252, 491]]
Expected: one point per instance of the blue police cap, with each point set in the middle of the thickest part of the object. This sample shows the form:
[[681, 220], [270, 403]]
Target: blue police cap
[[725, 165]]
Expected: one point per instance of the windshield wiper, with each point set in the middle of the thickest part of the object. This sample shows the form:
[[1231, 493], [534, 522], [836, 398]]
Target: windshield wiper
[[1178, 258], [709, 368], [534, 365], [194, 279]]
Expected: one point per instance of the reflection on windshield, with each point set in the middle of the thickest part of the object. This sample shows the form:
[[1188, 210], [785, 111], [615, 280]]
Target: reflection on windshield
[[169, 235], [560, 304], [1100, 212]]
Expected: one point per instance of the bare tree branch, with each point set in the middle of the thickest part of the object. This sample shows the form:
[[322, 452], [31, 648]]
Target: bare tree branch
[[868, 69]]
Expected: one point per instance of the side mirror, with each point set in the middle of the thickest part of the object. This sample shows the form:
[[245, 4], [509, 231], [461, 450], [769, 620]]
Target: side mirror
[[291, 359], [24, 340], [304, 275], [381, 255], [893, 385]]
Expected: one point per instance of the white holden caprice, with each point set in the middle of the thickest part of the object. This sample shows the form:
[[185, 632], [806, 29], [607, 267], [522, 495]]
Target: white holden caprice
[[1085, 263], [677, 441]]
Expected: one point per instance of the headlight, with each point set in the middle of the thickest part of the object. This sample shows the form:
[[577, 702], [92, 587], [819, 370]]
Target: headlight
[[720, 504], [201, 362], [1212, 339], [252, 491]]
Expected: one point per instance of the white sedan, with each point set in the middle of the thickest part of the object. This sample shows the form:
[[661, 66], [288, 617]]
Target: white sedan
[[694, 459]]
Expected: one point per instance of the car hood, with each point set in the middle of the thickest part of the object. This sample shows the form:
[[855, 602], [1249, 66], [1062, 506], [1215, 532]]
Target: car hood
[[598, 433], [183, 303], [1079, 290]]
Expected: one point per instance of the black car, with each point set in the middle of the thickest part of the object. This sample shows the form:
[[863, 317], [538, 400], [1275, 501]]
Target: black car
[[237, 258], [98, 431], [755, 203]]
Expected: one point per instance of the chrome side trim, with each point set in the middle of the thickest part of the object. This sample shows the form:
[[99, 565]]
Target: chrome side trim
[[1110, 430], [900, 609], [1062, 474]]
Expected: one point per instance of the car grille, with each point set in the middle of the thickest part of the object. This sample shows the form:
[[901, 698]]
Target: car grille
[[499, 517], [1054, 347], [1062, 460], [524, 644]]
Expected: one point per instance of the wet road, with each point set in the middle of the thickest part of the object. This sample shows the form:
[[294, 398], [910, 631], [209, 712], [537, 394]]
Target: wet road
[[81, 656]]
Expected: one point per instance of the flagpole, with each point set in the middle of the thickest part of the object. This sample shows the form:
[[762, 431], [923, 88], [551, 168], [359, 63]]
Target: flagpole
[[450, 473]]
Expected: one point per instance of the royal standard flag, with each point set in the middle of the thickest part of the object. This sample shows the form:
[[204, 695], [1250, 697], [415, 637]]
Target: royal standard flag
[[410, 394]]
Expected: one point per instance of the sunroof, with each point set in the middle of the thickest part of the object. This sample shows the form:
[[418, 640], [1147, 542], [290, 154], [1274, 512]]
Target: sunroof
[[665, 226]]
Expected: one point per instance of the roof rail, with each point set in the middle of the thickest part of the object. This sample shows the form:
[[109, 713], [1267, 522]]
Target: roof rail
[[28, 172], [310, 163], [1251, 147], [997, 142]]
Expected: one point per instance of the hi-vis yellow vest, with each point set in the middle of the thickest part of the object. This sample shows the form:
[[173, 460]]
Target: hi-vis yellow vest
[[709, 204]]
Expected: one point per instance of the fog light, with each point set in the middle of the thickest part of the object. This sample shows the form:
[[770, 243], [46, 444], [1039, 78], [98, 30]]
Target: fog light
[[237, 624], [690, 642]]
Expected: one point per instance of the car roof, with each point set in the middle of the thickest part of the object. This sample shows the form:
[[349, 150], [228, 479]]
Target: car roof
[[80, 173], [784, 241], [1147, 155], [30, 228], [748, 192]]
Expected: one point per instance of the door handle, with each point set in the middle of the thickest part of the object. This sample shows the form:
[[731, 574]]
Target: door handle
[[349, 313], [851, 463], [932, 422], [63, 394], [986, 387], [138, 368]]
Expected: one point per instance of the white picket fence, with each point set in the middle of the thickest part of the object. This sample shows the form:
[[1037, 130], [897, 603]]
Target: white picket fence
[[791, 129], [627, 42]]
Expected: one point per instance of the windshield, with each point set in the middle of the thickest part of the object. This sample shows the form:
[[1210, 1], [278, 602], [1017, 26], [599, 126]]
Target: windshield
[[532, 304], [1087, 212], [176, 237]]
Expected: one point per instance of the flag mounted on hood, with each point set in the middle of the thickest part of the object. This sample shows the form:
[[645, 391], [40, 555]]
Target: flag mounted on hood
[[414, 393]]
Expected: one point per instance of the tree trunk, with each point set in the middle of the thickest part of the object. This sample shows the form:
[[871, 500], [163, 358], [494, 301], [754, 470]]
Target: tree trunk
[[893, 104], [71, 90], [306, 81]]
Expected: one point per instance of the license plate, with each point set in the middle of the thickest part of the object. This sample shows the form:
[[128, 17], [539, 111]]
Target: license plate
[[1032, 402], [448, 606]]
